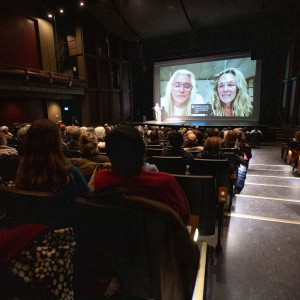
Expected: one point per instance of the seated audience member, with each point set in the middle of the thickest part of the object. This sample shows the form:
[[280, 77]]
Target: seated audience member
[[87, 167], [293, 148], [154, 138], [230, 140], [246, 134], [200, 138], [175, 142], [191, 143], [245, 151], [100, 134], [212, 149], [44, 167], [6, 132], [89, 148], [210, 131], [9, 161], [21, 133], [74, 133], [126, 150], [63, 132], [4, 148]]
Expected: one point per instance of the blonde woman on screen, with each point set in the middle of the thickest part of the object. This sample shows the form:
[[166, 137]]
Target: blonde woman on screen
[[180, 94], [230, 95]]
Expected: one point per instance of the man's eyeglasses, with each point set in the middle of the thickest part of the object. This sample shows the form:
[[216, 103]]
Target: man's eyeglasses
[[177, 86]]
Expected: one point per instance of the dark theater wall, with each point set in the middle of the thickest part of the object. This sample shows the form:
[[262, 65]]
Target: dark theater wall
[[23, 110], [19, 43]]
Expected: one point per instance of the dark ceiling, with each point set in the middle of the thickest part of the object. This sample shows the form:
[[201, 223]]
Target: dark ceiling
[[147, 19], [138, 20]]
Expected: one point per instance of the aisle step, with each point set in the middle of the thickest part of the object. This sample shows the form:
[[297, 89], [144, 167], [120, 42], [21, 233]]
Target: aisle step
[[286, 221], [273, 179], [267, 190], [267, 207]]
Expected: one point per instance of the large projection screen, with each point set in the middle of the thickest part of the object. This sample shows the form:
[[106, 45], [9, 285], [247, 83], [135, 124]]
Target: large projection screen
[[225, 89]]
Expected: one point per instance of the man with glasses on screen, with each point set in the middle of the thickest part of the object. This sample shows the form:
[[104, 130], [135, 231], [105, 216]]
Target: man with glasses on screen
[[180, 94]]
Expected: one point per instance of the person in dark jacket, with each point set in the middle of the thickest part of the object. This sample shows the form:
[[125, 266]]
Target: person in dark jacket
[[174, 146]]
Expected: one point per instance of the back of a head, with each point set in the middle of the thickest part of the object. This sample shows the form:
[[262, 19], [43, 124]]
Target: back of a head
[[175, 138], [192, 138], [230, 138], [213, 143], [88, 143], [154, 135], [200, 137], [22, 132], [74, 132], [42, 138], [44, 166], [210, 131], [126, 150]]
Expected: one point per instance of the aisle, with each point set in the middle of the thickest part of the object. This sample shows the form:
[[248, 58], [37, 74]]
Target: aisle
[[261, 241]]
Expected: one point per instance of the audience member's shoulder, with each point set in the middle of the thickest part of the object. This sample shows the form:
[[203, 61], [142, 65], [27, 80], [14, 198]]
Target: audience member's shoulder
[[158, 176]]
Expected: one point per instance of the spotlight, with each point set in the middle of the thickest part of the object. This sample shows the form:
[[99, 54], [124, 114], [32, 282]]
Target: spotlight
[[81, 3], [50, 16], [61, 11]]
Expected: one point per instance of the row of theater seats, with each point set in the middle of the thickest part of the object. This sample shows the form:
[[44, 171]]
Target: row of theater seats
[[206, 201], [142, 242]]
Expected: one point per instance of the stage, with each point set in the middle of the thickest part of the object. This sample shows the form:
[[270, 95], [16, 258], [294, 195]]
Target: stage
[[202, 123]]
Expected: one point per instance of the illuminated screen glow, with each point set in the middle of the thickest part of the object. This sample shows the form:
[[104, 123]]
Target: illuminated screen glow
[[202, 92]]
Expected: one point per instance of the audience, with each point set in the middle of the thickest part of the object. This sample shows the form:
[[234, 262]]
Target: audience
[[21, 133], [6, 132], [88, 142], [126, 150], [4, 148], [212, 149], [230, 139], [89, 148], [73, 133], [200, 138], [154, 138], [191, 143], [44, 167], [9, 161], [174, 148]]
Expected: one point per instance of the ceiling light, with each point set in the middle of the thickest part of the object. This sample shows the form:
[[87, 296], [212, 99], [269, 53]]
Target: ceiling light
[[81, 3], [50, 16], [61, 11]]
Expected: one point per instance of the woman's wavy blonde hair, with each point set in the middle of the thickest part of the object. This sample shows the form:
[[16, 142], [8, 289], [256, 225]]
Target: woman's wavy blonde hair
[[242, 105]]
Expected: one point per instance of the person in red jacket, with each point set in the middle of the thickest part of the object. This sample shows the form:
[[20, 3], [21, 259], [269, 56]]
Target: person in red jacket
[[126, 150]]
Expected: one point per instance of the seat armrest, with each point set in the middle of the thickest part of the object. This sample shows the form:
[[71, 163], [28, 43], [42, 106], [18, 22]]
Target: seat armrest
[[192, 227]]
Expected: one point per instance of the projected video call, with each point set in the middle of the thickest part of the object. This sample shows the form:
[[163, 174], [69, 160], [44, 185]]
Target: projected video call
[[227, 87]]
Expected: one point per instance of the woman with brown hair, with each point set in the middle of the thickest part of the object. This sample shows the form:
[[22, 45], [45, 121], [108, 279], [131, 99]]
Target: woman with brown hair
[[44, 167], [212, 149]]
